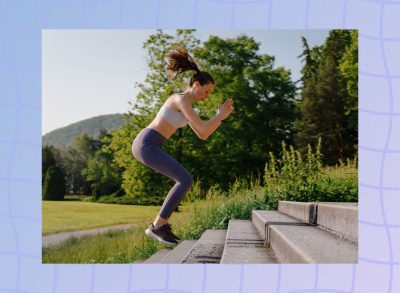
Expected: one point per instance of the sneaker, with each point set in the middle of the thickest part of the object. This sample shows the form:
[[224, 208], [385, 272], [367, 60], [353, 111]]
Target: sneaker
[[169, 226], [161, 234]]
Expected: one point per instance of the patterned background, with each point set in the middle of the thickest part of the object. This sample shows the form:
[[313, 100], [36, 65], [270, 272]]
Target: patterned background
[[21, 22]]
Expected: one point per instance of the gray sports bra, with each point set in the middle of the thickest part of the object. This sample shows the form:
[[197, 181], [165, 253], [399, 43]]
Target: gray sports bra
[[177, 119]]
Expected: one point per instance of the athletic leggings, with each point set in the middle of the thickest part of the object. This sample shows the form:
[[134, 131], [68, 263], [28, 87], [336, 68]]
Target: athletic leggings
[[146, 148]]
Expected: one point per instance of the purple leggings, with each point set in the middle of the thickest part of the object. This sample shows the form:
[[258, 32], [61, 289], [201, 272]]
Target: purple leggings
[[146, 148]]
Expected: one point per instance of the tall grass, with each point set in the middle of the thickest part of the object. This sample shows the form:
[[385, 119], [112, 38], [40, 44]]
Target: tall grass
[[215, 211], [293, 178]]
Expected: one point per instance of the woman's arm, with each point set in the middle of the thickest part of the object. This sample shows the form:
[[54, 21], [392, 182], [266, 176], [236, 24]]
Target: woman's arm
[[210, 131], [202, 128]]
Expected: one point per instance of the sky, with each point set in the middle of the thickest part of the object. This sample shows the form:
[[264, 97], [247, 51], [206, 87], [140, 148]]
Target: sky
[[88, 73]]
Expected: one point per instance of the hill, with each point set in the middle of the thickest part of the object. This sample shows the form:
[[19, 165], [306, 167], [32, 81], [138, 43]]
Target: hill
[[64, 137]]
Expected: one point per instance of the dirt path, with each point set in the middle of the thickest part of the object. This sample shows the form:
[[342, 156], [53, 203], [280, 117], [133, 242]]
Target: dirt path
[[62, 236]]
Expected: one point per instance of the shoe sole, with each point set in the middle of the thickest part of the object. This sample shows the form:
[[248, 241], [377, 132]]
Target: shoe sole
[[151, 234]]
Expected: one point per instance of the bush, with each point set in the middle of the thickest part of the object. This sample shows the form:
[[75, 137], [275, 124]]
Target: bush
[[221, 208], [54, 184], [294, 179]]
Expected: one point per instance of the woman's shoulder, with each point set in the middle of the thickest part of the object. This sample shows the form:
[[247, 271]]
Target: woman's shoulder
[[173, 101]]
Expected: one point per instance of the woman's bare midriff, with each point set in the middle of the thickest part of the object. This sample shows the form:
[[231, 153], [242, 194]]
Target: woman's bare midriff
[[163, 127]]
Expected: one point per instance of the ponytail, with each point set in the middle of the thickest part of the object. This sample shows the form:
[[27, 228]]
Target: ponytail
[[180, 61]]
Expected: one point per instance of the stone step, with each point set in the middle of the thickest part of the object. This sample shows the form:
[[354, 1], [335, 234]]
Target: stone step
[[340, 217], [155, 258], [310, 244], [294, 241], [208, 249], [304, 211], [262, 220], [178, 254], [243, 244]]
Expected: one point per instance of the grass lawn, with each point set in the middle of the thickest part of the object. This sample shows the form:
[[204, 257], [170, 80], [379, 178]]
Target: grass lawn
[[75, 214], [131, 244], [113, 246]]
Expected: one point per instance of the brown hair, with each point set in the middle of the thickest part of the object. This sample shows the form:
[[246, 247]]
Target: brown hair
[[180, 61]]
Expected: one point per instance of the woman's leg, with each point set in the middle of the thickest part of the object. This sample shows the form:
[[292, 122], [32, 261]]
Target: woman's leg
[[154, 157]]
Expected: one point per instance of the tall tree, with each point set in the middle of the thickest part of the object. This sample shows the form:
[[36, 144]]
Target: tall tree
[[76, 161], [103, 174], [264, 105], [323, 96]]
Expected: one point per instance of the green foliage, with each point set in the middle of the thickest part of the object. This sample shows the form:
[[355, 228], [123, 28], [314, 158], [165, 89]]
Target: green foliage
[[48, 160], [77, 158], [102, 172], [264, 109], [221, 208], [349, 70], [54, 184], [325, 102], [293, 178]]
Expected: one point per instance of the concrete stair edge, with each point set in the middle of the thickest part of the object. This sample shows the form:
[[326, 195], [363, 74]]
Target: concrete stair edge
[[155, 258], [339, 217], [243, 244], [309, 244], [208, 248], [305, 243], [179, 253]]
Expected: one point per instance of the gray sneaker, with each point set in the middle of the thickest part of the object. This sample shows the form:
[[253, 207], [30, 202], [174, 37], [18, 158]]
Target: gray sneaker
[[161, 233]]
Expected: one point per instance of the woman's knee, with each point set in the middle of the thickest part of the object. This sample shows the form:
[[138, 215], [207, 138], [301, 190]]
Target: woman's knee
[[187, 180]]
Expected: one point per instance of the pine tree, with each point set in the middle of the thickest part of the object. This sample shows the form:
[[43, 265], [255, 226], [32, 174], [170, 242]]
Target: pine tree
[[323, 95], [306, 126]]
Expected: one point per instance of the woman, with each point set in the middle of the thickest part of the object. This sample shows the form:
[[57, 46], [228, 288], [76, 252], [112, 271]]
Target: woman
[[176, 112]]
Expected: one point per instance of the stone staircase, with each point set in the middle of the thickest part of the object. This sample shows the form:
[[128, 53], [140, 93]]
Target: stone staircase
[[298, 232]]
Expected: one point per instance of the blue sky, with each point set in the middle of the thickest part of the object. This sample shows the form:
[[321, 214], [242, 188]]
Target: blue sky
[[87, 73]]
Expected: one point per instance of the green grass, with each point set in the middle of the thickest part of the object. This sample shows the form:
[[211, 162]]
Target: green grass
[[114, 246], [194, 218], [72, 214]]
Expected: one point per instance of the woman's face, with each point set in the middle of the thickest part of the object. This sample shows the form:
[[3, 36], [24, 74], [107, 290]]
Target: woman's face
[[202, 91]]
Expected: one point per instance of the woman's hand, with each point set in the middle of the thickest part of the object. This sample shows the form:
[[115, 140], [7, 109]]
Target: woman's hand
[[226, 109]]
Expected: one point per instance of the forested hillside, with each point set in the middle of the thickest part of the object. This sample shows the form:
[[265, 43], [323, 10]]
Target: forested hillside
[[64, 137]]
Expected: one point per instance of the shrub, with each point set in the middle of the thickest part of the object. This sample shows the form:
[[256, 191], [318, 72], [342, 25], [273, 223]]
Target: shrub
[[220, 208], [294, 179], [54, 184]]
